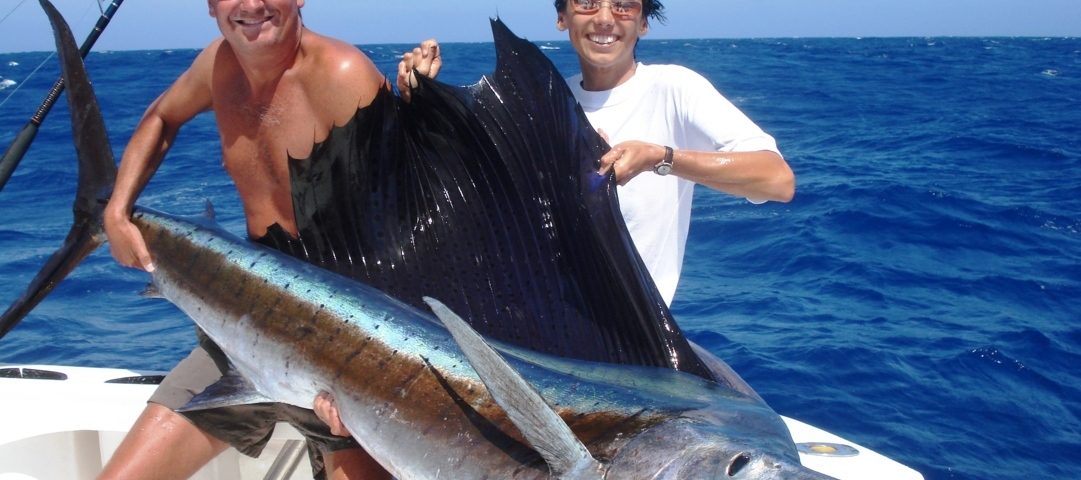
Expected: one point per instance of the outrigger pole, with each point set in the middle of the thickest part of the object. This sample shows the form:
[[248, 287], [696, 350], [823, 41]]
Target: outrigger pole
[[21, 144]]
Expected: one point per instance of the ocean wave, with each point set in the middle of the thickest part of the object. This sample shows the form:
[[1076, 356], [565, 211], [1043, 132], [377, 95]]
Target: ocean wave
[[995, 359], [1011, 147]]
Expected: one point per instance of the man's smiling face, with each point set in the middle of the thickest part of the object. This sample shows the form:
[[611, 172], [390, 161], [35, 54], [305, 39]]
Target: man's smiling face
[[256, 22], [603, 39]]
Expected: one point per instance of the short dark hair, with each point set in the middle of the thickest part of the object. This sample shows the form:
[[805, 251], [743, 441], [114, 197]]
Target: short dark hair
[[650, 9]]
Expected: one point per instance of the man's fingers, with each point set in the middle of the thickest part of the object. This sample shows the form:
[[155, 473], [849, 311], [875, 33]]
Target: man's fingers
[[608, 160], [430, 48], [129, 249], [140, 252], [410, 60], [425, 59], [429, 59], [437, 63], [403, 75], [327, 410]]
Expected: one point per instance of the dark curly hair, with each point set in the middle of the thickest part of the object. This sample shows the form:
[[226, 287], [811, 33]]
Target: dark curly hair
[[650, 9]]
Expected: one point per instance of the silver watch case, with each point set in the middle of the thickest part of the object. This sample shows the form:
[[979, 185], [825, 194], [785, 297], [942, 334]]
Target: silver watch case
[[665, 166]]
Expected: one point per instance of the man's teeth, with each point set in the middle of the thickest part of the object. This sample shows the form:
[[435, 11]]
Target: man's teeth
[[603, 39], [243, 21]]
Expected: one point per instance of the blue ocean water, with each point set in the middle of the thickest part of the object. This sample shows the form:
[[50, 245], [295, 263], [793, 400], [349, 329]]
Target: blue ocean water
[[919, 296]]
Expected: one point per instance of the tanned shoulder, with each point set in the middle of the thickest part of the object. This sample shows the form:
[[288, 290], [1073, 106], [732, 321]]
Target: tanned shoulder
[[341, 77], [191, 93]]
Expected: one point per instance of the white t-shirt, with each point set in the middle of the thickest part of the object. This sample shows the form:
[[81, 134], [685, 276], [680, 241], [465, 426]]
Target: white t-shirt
[[674, 106]]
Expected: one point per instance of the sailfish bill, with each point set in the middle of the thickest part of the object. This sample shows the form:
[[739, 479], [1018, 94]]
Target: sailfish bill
[[401, 380]]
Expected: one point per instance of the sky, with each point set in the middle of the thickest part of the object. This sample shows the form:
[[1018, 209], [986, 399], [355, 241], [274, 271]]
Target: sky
[[174, 24]]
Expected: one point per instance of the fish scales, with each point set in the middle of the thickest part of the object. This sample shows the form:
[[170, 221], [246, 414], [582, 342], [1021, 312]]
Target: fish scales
[[201, 272], [407, 375]]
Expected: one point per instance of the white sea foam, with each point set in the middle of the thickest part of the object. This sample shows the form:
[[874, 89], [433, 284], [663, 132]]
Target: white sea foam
[[13, 63], [5, 83]]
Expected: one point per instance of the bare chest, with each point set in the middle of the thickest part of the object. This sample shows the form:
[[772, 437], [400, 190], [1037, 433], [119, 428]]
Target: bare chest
[[258, 135], [266, 132]]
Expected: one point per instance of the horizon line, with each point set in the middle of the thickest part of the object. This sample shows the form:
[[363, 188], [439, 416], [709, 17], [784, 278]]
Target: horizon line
[[646, 40]]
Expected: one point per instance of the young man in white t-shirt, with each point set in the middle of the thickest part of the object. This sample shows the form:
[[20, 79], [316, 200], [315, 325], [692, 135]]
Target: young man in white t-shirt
[[670, 129]]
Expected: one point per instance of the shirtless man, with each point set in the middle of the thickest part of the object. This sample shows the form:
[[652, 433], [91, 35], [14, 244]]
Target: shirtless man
[[276, 88]]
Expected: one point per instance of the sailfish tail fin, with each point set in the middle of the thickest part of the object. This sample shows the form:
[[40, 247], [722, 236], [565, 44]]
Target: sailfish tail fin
[[97, 173]]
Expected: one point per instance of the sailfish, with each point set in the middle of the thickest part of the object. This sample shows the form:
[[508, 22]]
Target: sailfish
[[462, 284]]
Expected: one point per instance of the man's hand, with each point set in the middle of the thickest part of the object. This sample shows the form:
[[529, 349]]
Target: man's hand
[[327, 410], [628, 159], [126, 242], [424, 59]]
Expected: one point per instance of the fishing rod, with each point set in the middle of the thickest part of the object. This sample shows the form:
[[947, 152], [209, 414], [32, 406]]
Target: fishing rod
[[14, 154]]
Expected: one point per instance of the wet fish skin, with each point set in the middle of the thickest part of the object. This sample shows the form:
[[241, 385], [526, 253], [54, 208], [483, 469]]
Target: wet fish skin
[[403, 385]]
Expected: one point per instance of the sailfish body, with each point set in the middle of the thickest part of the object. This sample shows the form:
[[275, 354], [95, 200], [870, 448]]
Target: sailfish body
[[404, 386], [433, 398]]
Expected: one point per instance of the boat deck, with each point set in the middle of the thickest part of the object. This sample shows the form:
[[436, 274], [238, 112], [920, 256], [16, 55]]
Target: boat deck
[[79, 419]]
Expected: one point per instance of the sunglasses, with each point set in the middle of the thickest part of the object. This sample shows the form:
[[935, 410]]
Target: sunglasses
[[619, 8]]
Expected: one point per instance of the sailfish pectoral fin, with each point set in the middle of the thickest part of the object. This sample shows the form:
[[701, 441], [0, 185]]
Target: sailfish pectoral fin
[[545, 431], [231, 390], [97, 173]]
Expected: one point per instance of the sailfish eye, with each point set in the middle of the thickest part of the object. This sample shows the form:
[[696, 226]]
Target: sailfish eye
[[737, 464]]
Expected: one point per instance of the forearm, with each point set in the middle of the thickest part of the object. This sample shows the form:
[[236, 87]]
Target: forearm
[[189, 95], [142, 156], [760, 176]]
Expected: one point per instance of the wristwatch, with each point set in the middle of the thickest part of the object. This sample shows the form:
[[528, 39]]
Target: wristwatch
[[665, 166]]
